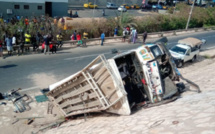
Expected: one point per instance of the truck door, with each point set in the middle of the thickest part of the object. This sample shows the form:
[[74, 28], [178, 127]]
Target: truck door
[[188, 55]]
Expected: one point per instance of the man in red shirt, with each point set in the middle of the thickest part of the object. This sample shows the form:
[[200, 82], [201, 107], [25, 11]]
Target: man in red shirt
[[26, 21]]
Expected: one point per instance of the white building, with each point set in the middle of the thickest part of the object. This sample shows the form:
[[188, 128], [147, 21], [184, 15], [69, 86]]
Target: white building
[[9, 8]]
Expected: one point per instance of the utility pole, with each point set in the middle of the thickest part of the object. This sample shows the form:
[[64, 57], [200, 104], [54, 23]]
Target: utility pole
[[191, 10]]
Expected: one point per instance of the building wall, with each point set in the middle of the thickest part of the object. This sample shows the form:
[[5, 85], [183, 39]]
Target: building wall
[[32, 11], [58, 9]]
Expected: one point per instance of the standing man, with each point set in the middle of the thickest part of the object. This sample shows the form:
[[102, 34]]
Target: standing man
[[134, 35], [14, 40], [26, 21], [59, 40], [47, 39], [75, 38], [1, 49], [9, 45], [144, 37], [21, 44], [115, 32], [102, 38], [27, 39], [103, 12], [38, 38], [34, 42], [124, 35]]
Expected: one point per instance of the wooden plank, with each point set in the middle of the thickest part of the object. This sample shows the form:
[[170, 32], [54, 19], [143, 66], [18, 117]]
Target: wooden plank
[[77, 100], [95, 109], [99, 66], [79, 81], [92, 63], [74, 93], [72, 80], [100, 72], [103, 77], [81, 106]]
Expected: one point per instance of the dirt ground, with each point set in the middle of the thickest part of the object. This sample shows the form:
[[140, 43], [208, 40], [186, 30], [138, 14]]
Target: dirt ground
[[201, 72]]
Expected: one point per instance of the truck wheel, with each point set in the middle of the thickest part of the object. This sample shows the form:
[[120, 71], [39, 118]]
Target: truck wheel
[[193, 59], [180, 64]]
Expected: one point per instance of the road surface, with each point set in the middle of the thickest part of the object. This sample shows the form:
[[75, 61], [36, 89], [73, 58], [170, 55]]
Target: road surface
[[37, 71]]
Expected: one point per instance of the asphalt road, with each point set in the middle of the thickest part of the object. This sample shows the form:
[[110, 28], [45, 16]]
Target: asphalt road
[[90, 13], [37, 71]]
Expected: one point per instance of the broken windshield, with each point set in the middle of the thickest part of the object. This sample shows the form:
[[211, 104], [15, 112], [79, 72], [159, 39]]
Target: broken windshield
[[178, 50]]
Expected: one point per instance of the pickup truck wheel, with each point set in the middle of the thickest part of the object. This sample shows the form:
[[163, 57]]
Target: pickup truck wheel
[[180, 64], [193, 59]]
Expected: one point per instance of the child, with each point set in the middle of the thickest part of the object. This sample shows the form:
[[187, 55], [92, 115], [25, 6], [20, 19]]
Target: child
[[72, 37], [79, 39], [54, 48]]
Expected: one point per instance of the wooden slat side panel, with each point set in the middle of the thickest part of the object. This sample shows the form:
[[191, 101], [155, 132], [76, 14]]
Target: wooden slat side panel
[[72, 80], [82, 106], [97, 68], [77, 100], [69, 86], [95, 109], [105, 76], [99, 72], [74, 93], [108, 88]]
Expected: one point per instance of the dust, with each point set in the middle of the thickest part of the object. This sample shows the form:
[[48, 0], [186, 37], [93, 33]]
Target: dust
[[42, 80]]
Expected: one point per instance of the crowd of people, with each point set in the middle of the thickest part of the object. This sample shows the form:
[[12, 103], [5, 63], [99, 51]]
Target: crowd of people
[[35, 31], [128, 32], [42, 35]]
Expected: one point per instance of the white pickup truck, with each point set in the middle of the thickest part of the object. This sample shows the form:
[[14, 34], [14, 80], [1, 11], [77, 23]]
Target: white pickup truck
[[186, 50]]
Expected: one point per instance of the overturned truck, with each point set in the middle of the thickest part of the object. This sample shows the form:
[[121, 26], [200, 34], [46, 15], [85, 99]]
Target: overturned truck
[[146, 74]]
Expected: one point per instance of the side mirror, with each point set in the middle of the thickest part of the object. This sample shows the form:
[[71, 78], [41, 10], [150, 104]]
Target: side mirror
[[203, 41], [188, 54]]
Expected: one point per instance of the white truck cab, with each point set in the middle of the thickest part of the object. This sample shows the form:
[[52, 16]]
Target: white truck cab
[[186, 50]]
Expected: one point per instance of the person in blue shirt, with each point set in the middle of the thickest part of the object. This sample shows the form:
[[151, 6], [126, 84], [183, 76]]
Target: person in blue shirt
[[102, 38], [115, 32], [75, 37]]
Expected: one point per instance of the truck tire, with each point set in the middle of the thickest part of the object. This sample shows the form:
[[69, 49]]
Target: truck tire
[[180, 64], [193, 59]]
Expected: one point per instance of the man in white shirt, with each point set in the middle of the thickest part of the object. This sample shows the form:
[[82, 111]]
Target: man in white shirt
[[14, 40]]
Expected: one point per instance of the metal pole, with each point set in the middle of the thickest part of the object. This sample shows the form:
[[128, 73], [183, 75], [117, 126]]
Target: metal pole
[[191, 10]]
